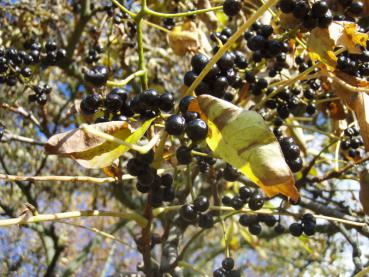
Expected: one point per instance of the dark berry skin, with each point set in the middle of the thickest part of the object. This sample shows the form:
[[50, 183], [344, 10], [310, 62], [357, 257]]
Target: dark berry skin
[[166, 180], [255, 229], [237, 203], [198, 62], [206, 221], [184, 103], [184, 155], [231, 7], [134, 167], [309, 228], [220, 272], [279, 229], [166, 101], [319, 9], [356, 8], [228, 263], [149, 98], [301, 9], [292, 152], [295, 165], [246, 220], [188, 212], [201, 203], [175, 125], [230, 173], [146, 158], [197, 129], [113, 102], [146, 177], [226, 61], [90, 103], [287, 6], [256, 202], [227, 201], [97, 75], [245, 193], [189, 78], [296, 229]]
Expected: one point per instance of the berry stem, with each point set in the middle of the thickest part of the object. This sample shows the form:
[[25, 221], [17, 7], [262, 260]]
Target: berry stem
[[122, 83], [141, 56], [124, 9], [183, 14], [229, 44]]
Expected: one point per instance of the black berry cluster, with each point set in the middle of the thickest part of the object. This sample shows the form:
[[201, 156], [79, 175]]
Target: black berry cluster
[[253, 222], [40, 94], [291, 152], [254, 199], [196, 212], [306, 226], [352, 141], [227, 269], [93, 54], [149, 181]]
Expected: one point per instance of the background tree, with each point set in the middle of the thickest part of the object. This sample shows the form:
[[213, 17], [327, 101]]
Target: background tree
[[149, 92]]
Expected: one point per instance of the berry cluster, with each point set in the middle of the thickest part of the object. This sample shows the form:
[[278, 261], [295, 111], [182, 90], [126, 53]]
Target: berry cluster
[[352, 142], [16, 64], [40, 95], [263, 45], [354, 64], [93, 54], [291, 152], [254, 199], [195, 212], [253, 222], [220, 77], [149, 181], [118, 107], [306, 226], [227, 269]]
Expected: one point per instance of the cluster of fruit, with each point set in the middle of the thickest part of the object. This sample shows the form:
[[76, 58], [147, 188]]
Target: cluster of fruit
[[291, 152], [254, 199], [318, 14], [16, 64], [93, 54], [352, 142], [253, 223], [222, 75], [227, 269], [306, 226], [263, 44], [149, 181], [354, 64], [195, 212], [40, 95]]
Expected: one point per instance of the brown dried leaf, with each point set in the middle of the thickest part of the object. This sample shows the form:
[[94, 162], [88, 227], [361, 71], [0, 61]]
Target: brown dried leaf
[[77, 140], [185, 38], [364, 190]]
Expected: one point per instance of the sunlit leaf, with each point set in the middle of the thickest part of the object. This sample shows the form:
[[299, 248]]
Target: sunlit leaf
[[184, 38], [242, 139], [91, 151]]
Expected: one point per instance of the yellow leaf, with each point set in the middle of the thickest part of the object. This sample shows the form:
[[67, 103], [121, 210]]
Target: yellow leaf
[[242, 139], [94, 152]]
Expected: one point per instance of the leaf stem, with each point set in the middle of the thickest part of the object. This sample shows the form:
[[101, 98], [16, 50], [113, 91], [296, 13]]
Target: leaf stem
[[122, 83], [124, 9]]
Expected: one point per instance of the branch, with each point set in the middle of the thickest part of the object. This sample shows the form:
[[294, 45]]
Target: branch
[[74, 214]]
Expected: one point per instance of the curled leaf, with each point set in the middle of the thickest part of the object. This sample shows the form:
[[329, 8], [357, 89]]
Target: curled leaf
[[92, 151], [242, 139]]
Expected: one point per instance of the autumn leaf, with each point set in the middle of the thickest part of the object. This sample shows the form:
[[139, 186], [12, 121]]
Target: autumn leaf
[[242, 139], [92, 151], [357, 101], [364, 190], [187, 38], [323, 41]]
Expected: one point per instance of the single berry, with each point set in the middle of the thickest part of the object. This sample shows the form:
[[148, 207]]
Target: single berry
[[201, 203], [256, 202], [185, 102], [255, 229], [166, 102], [188, 212], [184, 155], [206, 221], [175, 125], [197, 129], [279, 229], [245, 193], [296, 229], [228, 263], [198, 62], [231, 7], [113, 102], [230, 173]]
